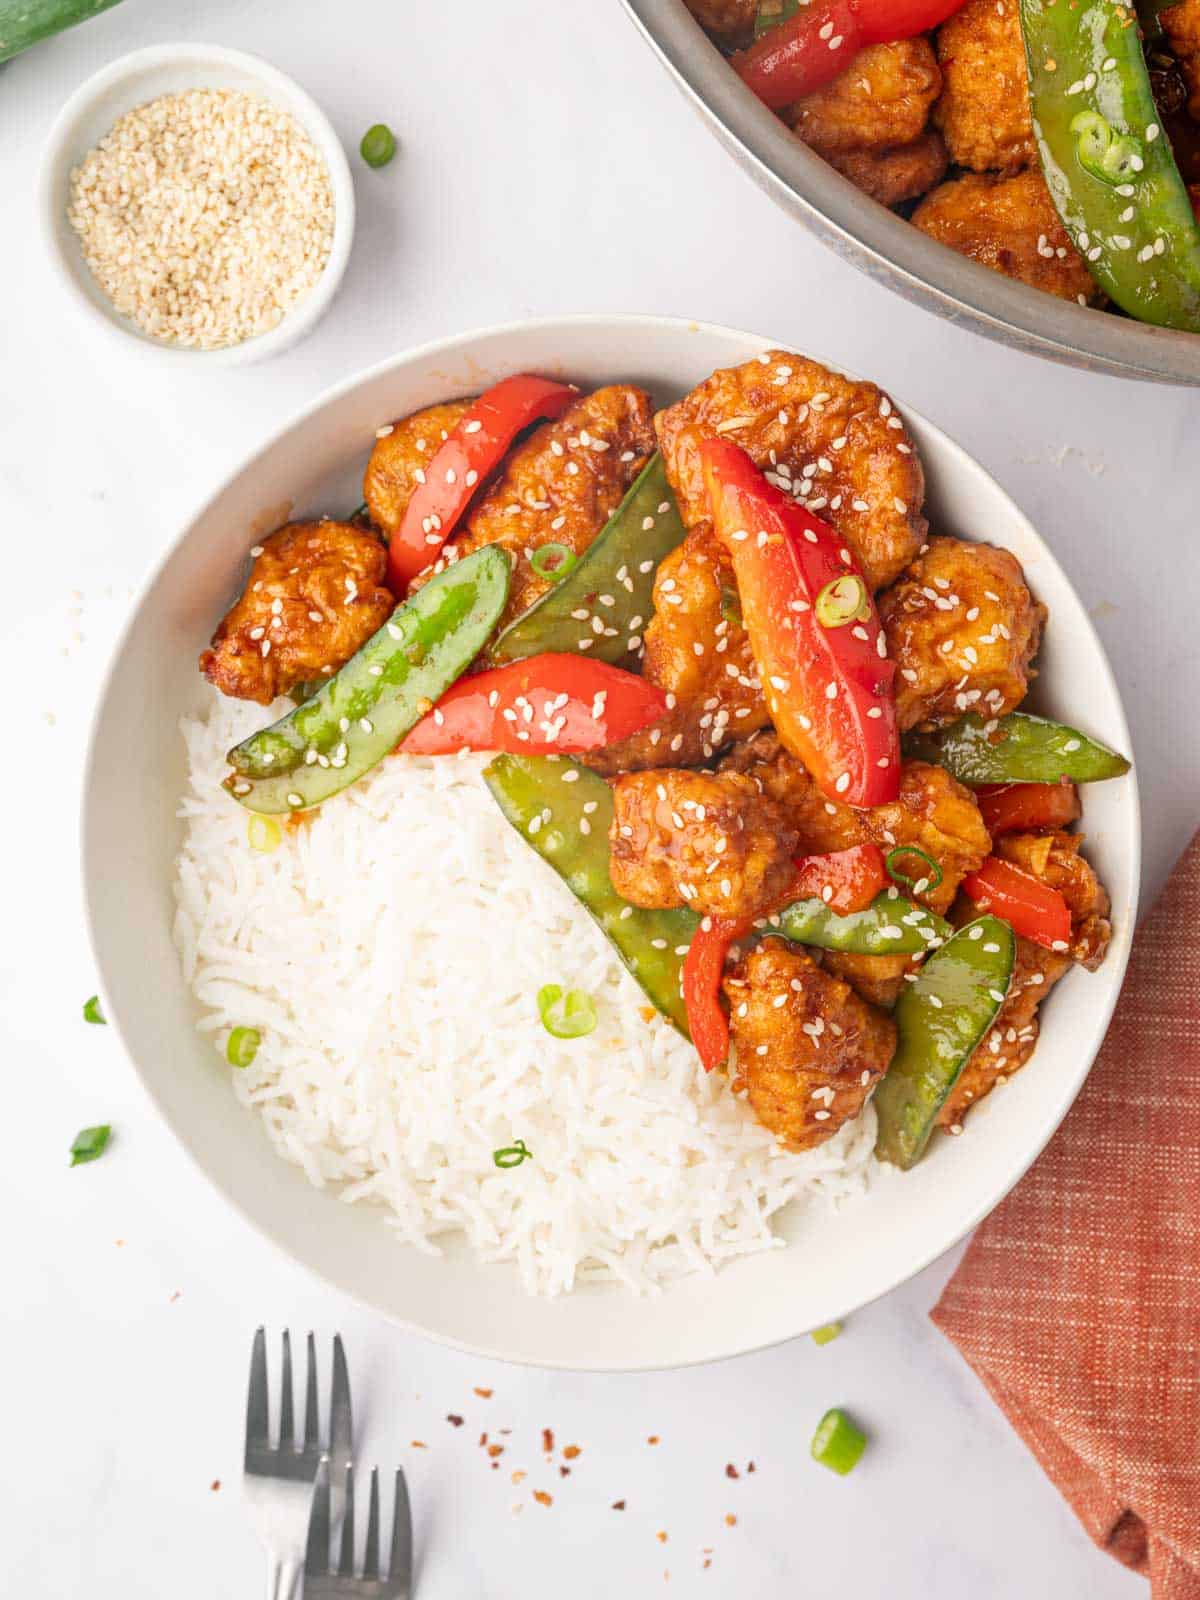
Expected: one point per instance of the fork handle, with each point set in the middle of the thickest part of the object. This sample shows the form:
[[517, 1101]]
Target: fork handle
[[281, 1578]]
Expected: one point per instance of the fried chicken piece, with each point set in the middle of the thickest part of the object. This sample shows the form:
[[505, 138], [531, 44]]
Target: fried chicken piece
[[809, 1051], [898, 174], [1054, 858], [696, 651], [838, 445], [962, 628], [401, 453], [730, 21], [984, 110], [881, 100], [877, 979], [559, 486], [713, 842], [933, 813], [1181, 24], [1011, 226], [314, 596]]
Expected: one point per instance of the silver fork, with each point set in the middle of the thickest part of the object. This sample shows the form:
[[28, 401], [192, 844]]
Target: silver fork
[[278, 1479], [321, 1582]]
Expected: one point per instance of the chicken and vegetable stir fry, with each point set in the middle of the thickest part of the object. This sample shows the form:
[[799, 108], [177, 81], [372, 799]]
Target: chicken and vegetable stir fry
[[1056, 144], [761, 719]]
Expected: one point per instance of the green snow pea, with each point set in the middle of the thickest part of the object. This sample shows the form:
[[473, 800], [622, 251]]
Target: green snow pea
[[940, 1017], [364, 710], [1020, 748], [890, 926], [564, 811], [612, 582], [771, 13], [1108, 164]]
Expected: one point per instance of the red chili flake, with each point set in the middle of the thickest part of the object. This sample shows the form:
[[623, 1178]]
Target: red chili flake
[[542, 1498], [564, 1472], [661, 1536], [495, 1450], [454, 1421], [519, 1477], [731, 1471], [482, 1440], [175, 1297], [618, 1505], [215, 1485], [751, 1467], [653, 1439], [419, 1444], [484, 1394], [548, 1441], [730, 1520], [572, 1451], [707, 1562]]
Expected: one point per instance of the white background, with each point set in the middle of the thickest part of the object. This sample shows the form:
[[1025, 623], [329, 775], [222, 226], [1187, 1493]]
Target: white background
[[545, 165]]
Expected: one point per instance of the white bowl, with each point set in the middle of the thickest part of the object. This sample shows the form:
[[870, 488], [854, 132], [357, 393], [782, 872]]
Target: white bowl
[[132, 81], [136, 773]]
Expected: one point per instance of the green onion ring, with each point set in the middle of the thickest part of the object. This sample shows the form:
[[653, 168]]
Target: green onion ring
[[566, 1016], [842, 600], [378, 145], [90, 1144], [264, 833], [242, 1046], [92, 1011], [897, 876], [553, 561], [512, 1155], [838, 1442]]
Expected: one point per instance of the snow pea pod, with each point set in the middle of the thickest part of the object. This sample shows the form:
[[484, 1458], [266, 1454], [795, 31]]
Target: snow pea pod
[[1018, 748], [363, 711], [940, 1018], [890, 926], [1108, 164], [564, 811], [611, 584]]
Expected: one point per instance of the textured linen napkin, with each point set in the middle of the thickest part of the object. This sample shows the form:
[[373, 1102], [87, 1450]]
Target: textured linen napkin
[[1078, 1301]]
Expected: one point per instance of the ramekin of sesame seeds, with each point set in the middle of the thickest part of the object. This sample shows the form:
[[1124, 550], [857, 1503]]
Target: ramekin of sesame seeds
[[198, 201]]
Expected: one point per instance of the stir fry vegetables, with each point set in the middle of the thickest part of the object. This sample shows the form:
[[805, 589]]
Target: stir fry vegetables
[[364, 710], [703, 970], [1032, 908], [816, 42], [564, 812], [548, 703], [1018, 748], [890, 926], [1006, 807], [1109, 166], [613, 582], [829, 687], [941, 1017], [844, 880], [473, 450]]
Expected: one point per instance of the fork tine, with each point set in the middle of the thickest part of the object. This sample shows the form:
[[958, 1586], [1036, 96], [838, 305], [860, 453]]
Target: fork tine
[[341, 1421], [316, 1556], [257, 1409], [400, 1565], [346, 1563], [287, 1418], [371, 1559], [312, 1409]]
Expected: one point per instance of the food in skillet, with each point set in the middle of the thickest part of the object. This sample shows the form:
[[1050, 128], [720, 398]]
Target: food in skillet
[[1058, 144], [765, 725]]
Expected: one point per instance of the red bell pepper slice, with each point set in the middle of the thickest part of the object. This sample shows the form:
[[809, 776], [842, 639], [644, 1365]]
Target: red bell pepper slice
[[703, 969], [474, 449], [846, 880], [821, 40], [1030, 907], [1012, 806], [548, 704], [828, 682]]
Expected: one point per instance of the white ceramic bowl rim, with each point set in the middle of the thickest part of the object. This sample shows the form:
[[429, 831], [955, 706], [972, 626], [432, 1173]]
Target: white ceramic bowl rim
[[64, 148], [1090, 1025]]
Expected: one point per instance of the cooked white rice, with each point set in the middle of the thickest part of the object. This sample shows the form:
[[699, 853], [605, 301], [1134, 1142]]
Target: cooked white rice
[[390, 952]]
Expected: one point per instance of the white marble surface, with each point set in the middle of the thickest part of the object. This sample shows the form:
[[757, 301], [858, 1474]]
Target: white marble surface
[[545, 166]]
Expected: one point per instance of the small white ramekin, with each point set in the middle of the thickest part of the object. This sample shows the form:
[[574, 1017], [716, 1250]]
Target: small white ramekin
[[133, 80]]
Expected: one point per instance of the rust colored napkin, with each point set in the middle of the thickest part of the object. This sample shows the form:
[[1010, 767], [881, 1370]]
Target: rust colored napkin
[[1078, 1301]]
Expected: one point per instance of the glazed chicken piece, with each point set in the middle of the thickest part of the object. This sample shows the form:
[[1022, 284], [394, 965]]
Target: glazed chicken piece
[[837, 445], [1009, 1042], [809, 1051], [709, 841], [962, 628], [1181, 24], [870, 121], [402, 451], [984, 111], [315, 595], [730, 21], [560, 486], [895, 175], [1011, 226], [697, 651]]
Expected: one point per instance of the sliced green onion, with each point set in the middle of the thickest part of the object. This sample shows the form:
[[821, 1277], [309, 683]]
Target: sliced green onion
[[378, 145], [838, 1443], [827, 1334], [512, 1155], [566, 1016], [242, 1046], [842, 600], [731, 606], [264, 833], [553, 561], [90, 1144], [92, 1011], [927, 880]]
